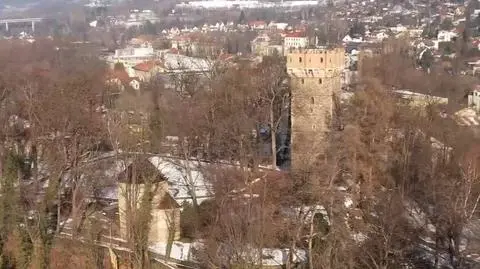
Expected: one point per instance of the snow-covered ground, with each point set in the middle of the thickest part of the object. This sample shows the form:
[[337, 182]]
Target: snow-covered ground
[[270, 256]]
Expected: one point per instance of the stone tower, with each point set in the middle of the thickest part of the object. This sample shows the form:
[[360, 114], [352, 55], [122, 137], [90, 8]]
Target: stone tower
[[315, 75]]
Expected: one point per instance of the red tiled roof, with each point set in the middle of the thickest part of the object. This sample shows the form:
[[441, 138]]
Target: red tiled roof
[[254, 23], [145, 66], [122, 75], [225, 57], [295, 34]]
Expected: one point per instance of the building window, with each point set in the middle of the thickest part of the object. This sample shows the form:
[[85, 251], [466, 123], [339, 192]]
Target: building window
[[303, 81], [314, 127], [319, 81], [290, 59], [312, 100], [299, 59], [321, 60]]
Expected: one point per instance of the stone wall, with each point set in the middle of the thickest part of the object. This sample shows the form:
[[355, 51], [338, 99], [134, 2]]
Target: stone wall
[[315, 75]]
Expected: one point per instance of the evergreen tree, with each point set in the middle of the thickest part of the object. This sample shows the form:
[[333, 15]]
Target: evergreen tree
[[242, 18]]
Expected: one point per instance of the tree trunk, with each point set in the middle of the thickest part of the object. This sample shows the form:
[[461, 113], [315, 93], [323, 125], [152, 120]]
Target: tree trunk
[[437, 246], [310, 244], [273, 137]]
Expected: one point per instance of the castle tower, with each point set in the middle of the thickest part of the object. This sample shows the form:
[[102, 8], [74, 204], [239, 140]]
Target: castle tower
[[315, 75]]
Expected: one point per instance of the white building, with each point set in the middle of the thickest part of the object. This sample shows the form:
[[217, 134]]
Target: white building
[[381, 36], [140, 17], [398, 29], [446, 36], [131, 56], [349, 39], [474, 99], [294, 41], [278, 25]]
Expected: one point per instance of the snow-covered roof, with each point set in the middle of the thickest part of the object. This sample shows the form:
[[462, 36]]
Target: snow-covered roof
[[420, 96], [182, 176], [178, 62]]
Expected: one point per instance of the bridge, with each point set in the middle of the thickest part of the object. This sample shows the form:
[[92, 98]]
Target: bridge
[[8, 22]]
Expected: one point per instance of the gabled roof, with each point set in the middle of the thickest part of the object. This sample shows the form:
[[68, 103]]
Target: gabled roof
[[145, 66], [139, 172], [168, 202], [295, 34], [256, 23], [182, 176], [122, 75]]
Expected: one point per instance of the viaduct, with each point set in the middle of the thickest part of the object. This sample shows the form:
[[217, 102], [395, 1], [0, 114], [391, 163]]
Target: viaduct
[[8, 22]]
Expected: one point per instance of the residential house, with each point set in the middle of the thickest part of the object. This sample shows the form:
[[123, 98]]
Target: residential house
[[295, 40], [259, 44], [140, 17], [144, 41], [257, 25], [398, 29], [146, 70], [475, 66], [196, 44], [181, 42], [277, 25], [446, 36], [142, 178], [380, 36], [349, 39], [264, 45], [122, 80], [422, 44], [474, 99], [131, 56], [476, 43]]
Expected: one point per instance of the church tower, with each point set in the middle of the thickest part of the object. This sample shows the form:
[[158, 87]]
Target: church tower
[[315, 76]]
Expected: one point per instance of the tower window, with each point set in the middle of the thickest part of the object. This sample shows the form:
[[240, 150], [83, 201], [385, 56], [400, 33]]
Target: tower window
[[312, 100], [320, 81], [290, 59], [321, 60], [303, 81], [299, 59], [314, 127]]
